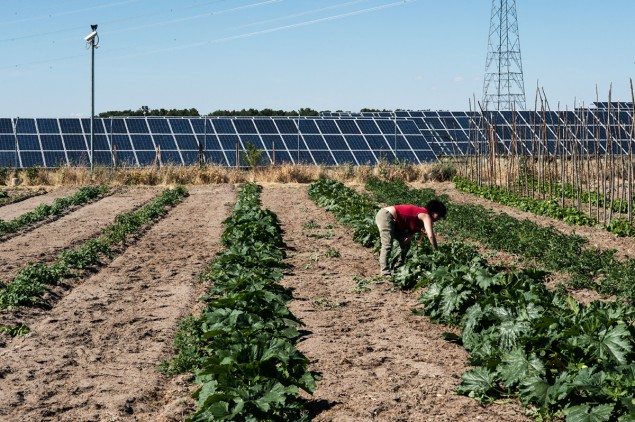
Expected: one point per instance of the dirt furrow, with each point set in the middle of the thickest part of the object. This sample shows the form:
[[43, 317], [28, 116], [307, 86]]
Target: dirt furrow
[[95, 356], [11, 211], [378, 360], [46, 241]]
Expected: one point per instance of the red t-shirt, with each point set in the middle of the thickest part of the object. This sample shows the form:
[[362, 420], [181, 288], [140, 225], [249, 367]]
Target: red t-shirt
[[407, 220]]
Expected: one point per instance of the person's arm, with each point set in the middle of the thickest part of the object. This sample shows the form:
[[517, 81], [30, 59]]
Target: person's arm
[[428, 229]]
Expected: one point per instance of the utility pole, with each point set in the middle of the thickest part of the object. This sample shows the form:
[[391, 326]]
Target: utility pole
[[92, 41], [504, 86]]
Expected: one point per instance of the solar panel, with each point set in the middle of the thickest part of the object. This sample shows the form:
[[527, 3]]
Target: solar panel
[[6, 126], [31, 158], [266, 126], [8, 159], [137, 126], [344, 157], [55, 158], [48, 126], [286, 126], [323, 158], [223, 126], [185, 142], [348, 126], [142, 142], [165, 142], [327, 126], [52, 142], [159, 126], [101, 126], [25, 126]]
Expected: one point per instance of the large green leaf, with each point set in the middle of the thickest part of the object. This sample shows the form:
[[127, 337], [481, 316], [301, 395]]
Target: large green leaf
[[615, 343], [585, 413], [516, 366], [478, 383]]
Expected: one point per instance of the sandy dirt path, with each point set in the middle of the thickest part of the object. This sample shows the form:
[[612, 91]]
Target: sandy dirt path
[[11, 211], [46, 241], [94, 357], [378, 360]]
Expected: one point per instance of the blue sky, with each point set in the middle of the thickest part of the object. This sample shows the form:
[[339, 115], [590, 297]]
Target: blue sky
[[323, 54]]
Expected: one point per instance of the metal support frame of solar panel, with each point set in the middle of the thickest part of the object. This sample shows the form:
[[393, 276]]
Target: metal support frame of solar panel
[[134, 141]]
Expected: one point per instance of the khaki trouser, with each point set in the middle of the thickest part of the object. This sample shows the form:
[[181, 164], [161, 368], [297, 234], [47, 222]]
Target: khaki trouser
[[388, 233]]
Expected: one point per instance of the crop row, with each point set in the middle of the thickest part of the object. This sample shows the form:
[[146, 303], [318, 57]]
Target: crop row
[[567, 190], [558, 356], [547, 207], [242, 348], [31, 282], [7, 198], [59, 206], [589, 267]]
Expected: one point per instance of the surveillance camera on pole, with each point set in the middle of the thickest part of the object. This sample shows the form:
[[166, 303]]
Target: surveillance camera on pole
[[92, 40], [90, 36]]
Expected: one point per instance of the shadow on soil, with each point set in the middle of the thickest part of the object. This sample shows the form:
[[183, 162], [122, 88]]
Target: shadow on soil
[[315, 407]]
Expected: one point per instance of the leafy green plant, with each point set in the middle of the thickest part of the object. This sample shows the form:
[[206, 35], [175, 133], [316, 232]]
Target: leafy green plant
[[14, 330], [60, 205], [548, 207], [590, 267], [242, 348], [253, 156], [332, 253], [362, 284]]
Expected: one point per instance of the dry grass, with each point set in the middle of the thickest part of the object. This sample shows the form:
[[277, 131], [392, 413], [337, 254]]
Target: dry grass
[[194, 175]]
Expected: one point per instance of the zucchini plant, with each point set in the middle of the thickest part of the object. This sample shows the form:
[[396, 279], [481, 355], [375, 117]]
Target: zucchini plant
[[242, 348], [558, 356], [590, 267]]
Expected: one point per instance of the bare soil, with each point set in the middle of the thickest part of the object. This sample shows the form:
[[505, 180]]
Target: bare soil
[[45, 242], [11, 211], [94, 356], [378, 360]]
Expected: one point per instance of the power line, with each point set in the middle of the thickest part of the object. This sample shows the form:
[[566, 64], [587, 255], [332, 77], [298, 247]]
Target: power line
[[110, 22], [70, 12], [271, 30], [299, 14], [225, 39], [203, 15]]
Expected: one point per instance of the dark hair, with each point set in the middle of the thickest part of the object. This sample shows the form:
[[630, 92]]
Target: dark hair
[[435, 206]]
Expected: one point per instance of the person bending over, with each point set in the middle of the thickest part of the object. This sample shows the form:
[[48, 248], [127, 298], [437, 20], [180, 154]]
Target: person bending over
[[401, 223]]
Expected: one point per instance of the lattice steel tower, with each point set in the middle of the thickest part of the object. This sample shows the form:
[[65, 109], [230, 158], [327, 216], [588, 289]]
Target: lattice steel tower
[[504, 86]]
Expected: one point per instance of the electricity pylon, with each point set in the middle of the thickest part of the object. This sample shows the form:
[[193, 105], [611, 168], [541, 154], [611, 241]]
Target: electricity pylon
[[504, 86]]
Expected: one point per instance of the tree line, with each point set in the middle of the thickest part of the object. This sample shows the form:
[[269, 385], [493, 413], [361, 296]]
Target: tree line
[[146, 111]]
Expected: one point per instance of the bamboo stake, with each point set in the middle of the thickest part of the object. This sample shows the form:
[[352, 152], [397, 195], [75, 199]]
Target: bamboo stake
[[630, 157], [620, 173], [514, 150], [597, 156], [560, 155], [585, 121], [609, 141]]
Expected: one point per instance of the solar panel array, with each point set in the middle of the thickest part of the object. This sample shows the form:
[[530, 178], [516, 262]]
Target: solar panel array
[[182, 141], [461, 133], [330, 139]]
